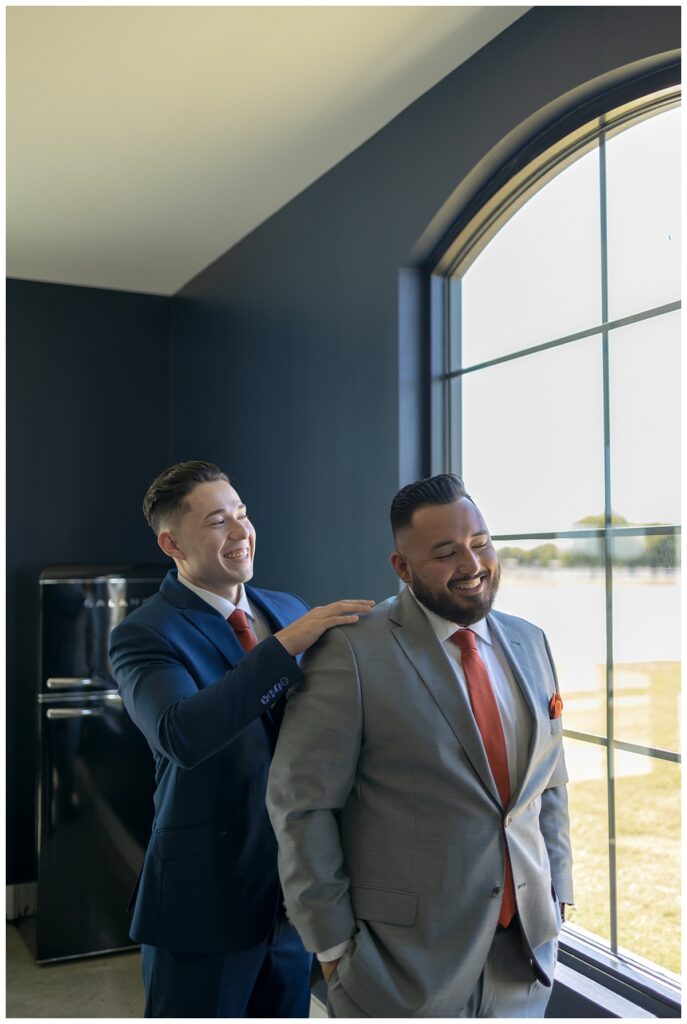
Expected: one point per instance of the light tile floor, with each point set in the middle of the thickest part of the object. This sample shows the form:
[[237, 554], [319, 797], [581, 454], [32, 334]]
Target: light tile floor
[[100, 986]]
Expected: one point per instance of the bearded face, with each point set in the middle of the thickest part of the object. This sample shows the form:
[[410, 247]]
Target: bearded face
[[446, 555]]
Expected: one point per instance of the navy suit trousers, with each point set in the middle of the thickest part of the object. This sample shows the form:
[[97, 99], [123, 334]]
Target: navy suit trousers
[[271, 979]]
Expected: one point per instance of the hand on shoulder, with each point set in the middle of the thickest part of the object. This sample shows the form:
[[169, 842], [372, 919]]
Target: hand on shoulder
[[303, 633]]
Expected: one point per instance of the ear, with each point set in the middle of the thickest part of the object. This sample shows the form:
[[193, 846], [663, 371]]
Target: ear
[[400, 566], [169, 545]]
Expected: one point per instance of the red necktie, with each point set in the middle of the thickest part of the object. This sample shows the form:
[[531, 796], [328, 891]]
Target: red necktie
[[244, 634], [488, 720]]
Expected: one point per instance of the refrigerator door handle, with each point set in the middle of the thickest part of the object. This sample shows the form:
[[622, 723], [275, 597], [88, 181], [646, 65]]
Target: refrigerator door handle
[[75, 712], [62, 682]]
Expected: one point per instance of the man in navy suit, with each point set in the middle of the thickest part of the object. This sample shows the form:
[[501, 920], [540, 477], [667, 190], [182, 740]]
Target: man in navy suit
[[208, 695]]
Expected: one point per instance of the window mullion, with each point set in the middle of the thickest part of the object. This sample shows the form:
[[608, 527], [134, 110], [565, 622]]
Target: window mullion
[[607, 552], [455, 359]]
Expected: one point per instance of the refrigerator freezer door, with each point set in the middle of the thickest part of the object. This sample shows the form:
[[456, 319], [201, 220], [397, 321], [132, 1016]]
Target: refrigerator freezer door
[[95, 808]]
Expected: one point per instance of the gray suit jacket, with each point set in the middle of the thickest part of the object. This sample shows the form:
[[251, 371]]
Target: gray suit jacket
[[388, 820]]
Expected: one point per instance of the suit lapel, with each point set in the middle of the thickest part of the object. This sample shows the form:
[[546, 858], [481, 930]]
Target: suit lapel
[[420, 645], [205, 618], [216, 630], [219, 632], [269, 608], [518, 656]]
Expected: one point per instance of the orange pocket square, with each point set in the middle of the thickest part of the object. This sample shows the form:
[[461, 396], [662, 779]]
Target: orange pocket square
[[556, 705]]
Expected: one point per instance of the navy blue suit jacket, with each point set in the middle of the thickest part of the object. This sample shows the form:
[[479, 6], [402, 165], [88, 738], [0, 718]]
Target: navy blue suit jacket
[[211, 714]]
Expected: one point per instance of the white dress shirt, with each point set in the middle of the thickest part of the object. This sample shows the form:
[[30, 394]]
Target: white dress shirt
[[516, 717], [258, 624]]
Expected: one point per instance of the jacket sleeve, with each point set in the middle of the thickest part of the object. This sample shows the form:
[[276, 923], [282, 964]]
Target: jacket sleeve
[[182, 722], [312, 774], [554, 821]]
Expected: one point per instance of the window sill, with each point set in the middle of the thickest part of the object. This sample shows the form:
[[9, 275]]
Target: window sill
[[641, 984]]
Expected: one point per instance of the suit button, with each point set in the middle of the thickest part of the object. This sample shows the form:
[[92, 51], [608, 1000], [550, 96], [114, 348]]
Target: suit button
[[507, 822], [497, 891]]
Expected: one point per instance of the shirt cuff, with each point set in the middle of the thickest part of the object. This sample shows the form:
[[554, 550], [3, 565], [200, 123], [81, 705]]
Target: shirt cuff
[[333, 953]]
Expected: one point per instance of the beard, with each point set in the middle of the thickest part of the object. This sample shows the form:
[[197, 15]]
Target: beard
[[458, 605]]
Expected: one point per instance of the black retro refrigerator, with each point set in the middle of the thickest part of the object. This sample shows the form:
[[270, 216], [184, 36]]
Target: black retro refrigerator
[[95, 770]]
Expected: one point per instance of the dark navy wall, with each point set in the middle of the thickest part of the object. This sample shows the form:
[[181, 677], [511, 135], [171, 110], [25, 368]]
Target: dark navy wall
[[87, 429], [286, 350]]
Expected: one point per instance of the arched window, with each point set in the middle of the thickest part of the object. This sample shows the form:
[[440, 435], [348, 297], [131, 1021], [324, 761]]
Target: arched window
[[560, 409]]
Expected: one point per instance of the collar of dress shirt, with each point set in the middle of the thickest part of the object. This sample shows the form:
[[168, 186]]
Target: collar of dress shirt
[[219, 603], [444, 629]]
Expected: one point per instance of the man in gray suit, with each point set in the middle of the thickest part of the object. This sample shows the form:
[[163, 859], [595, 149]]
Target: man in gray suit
[[418, 791]]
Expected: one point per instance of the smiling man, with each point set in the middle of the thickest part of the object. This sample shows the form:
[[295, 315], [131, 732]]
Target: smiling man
[[203, 668], [418, 791]]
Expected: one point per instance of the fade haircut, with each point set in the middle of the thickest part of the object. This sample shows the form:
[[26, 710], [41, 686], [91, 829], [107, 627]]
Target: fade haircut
[[165, 498], [442, 489]]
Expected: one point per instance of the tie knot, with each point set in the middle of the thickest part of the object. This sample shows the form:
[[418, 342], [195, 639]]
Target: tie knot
[[465, 639], [237, 619]]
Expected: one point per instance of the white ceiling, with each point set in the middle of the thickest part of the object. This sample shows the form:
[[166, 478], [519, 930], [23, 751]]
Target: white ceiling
[[143, 142]]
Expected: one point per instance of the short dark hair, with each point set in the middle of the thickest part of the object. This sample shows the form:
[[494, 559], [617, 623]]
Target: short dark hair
[[434, 490], [164, 499]]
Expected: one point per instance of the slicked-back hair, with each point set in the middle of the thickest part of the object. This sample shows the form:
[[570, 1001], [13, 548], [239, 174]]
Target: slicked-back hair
[[165, 498], [442, 489]]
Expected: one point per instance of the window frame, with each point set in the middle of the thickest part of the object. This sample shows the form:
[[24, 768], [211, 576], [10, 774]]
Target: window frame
[[530, 170]]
